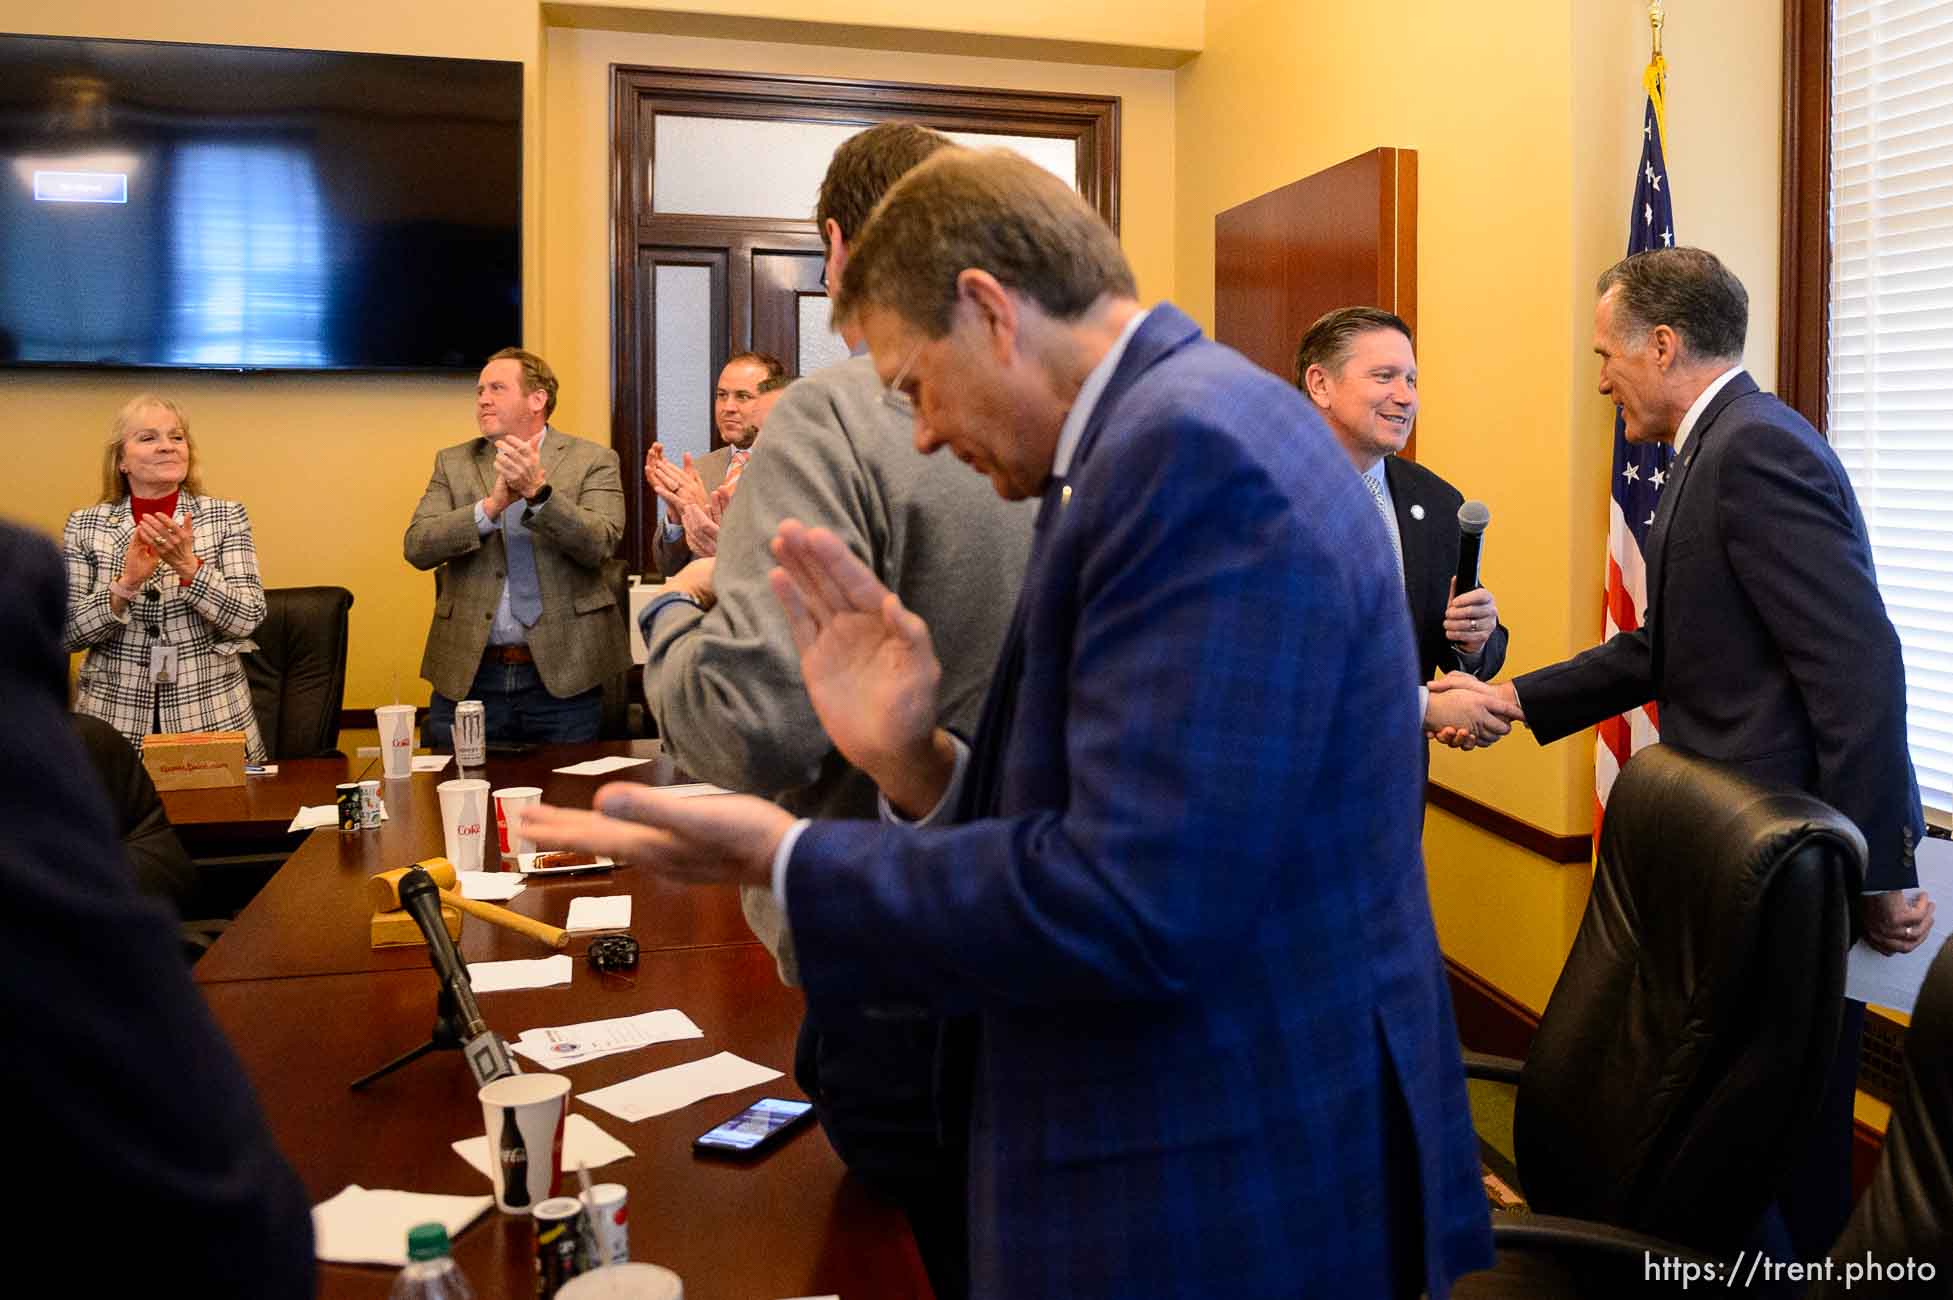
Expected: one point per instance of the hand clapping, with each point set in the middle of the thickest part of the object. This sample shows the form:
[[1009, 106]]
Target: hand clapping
[[172, 543]]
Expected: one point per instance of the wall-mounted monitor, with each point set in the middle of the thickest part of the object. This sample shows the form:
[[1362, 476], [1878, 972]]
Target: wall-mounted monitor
[[224, 207]]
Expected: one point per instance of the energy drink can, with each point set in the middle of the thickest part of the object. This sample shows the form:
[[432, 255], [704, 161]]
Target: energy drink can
[[348, 800], [470, 734], [559, 1238], [369, 805]]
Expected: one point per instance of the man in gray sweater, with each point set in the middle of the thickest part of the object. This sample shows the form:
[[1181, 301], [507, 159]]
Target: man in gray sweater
[[722, 677]]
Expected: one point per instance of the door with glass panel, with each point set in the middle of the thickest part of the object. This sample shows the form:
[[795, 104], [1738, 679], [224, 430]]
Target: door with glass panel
[[715, 249]]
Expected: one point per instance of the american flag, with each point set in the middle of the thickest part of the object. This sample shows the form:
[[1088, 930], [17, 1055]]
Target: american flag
[[1639, 471]]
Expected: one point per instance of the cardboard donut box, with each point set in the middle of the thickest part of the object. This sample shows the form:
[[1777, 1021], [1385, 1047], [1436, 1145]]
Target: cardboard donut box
[[194, 760]]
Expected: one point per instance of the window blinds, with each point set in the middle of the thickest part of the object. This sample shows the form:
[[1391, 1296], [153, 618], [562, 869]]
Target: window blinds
[[1890, 400]]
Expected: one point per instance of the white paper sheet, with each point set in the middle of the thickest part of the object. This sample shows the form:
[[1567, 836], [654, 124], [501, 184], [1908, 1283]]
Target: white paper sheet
[[583, 1144], [430, 762], [1871, 976], [691, 791], [575, 1044], [532, 973], [370, 1227], [610, 912], [322, 815], [677, 1086], [599, 766], [490, 886]]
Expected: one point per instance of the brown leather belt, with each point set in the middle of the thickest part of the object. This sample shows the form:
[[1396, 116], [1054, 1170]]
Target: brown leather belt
[[509, 654]]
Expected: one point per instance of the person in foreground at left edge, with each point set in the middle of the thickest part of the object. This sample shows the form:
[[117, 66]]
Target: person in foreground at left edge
[[518, 523], [1182, 894], [163, 588], [137, 1121]]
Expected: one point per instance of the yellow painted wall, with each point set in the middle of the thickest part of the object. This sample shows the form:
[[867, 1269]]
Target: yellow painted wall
[[331, 466], [578, 63], [1527, 125], [1167, 25]]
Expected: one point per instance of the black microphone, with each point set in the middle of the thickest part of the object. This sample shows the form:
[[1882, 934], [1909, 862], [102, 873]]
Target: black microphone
[[1473, 516], [487, 1057]]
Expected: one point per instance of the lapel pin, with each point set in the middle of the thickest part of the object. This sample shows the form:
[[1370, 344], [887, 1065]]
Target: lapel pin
[[1064, 496], [1417, 512]]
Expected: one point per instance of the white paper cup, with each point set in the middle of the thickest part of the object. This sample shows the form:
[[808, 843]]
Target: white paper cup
[[523, 1116], [624, 1282], [507, 800], [396, 739], [464, 820]]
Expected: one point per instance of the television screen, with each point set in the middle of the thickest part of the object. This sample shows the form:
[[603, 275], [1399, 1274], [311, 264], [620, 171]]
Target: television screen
[[233, 208]]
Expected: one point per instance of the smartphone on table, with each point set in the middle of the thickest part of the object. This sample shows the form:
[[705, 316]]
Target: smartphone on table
[[755, 1130]]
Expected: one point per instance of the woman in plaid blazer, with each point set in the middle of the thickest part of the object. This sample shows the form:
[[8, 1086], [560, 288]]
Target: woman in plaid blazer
[[162, 576]]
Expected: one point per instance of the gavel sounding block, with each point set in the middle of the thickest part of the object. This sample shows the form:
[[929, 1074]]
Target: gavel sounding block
[[397, 929]]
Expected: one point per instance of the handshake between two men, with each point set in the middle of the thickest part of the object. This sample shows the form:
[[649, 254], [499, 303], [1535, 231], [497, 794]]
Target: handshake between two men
[[1466, 713]]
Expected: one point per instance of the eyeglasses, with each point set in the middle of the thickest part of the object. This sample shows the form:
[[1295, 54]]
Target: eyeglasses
[[892, 396]]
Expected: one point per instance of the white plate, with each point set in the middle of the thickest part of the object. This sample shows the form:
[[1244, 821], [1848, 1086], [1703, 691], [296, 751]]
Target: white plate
[[526, 864]]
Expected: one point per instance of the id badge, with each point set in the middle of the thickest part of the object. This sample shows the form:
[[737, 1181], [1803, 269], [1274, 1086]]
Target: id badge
[[162, 662]]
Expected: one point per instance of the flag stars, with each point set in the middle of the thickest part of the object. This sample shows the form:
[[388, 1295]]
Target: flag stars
[[1649, 522], [1632, 473], [1661, 477], [1654, 179], [1648, 170], [1668, 239], [1647, 214]]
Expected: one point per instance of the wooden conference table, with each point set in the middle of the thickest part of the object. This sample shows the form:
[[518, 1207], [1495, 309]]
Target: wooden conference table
[[309, 1006]]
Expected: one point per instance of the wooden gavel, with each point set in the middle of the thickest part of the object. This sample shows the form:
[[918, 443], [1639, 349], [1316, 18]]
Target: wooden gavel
[[384, 889]]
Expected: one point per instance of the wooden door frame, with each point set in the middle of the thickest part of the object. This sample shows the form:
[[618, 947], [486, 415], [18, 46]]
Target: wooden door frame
[[639, 94]]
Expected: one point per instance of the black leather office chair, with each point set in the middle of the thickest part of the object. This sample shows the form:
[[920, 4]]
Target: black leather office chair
[[1681, 1059], [622, 718], [298, 672], [1905, 1217]]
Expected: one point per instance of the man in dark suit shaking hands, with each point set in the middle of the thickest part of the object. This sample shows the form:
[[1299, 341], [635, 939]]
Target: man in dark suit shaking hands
[[1357, 367], [1766, 643]]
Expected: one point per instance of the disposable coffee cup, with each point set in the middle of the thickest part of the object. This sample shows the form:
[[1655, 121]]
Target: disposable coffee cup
[[523, 1116], [624, 1282], [464, 820], [507, 800], [396, 739]]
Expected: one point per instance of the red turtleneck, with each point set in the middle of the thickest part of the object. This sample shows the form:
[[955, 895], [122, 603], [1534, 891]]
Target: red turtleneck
[[140, 506]]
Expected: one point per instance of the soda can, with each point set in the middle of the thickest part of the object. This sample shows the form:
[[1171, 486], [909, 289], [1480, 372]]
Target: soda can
[[369, 805], [608, 1208], [559, 1223], [348, 800], [470, 734]]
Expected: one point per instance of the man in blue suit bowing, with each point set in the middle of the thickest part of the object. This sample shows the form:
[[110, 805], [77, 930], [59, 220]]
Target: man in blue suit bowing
[[1176, 882]]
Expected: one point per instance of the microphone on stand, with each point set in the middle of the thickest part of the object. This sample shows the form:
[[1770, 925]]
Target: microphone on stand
[[487, 1057], [1473, 517]]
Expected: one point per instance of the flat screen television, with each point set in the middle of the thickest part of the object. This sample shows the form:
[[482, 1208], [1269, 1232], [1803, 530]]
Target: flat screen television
[[224, 207]]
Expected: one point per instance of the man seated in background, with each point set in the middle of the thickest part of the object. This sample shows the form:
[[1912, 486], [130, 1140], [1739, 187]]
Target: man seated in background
[[517, 525], [735, 402], [132, 1104], [725, 685], [162, 869], [702, 521]]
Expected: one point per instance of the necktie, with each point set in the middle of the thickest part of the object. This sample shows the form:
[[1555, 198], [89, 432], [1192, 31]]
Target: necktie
[[734, 470], [525, 592], [1389, 523]]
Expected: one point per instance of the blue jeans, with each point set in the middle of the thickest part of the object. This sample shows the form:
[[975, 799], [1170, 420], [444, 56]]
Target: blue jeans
[[517, 707]]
